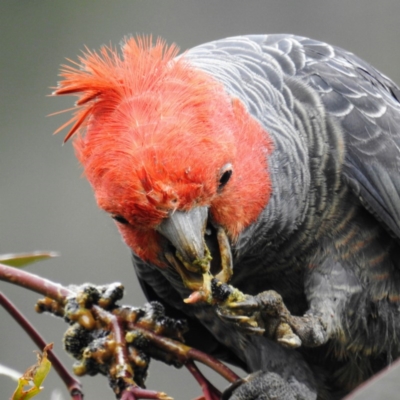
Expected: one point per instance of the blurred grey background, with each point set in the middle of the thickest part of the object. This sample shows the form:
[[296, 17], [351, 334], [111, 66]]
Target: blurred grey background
[[44, 202]]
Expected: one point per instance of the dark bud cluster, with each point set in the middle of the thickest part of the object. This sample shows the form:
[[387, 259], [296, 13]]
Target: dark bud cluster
[[220, 291], [111, 339]]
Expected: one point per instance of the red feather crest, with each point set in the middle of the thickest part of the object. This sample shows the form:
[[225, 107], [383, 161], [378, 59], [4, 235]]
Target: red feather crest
[[156, 133]]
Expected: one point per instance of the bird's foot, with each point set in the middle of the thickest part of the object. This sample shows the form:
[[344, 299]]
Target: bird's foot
[[266, 314]]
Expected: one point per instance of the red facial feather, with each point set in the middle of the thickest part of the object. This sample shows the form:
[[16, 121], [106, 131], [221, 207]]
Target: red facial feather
[[155, 134]]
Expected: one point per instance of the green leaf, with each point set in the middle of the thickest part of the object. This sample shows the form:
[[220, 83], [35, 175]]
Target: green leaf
[[33, 377], [42, 370], [22, 259]]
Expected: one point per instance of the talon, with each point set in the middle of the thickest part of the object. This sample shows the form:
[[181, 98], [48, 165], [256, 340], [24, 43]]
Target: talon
[[248, 324], [248, 304], [255, 330], [291, 342], [241, 319], [286, 336], [226, 317]]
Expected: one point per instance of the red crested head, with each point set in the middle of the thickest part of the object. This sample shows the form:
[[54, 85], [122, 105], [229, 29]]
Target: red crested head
[[158, 135]]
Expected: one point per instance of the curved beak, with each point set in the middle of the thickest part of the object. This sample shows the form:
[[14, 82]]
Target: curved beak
[[185, 231]]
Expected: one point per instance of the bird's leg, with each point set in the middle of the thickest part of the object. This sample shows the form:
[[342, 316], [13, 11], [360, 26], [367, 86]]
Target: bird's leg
[[266, 313]]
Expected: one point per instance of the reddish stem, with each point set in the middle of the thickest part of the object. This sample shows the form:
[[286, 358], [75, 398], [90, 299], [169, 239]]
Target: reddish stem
[[128, 395], [35, 283], [115, 325], [125, 373], [74, 387], [182, 352], [135, 392], [214, 364], [209, 390], [186, 353]]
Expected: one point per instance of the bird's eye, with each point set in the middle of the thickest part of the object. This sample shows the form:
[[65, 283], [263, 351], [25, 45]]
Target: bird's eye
[[225, 175], [120, 219]]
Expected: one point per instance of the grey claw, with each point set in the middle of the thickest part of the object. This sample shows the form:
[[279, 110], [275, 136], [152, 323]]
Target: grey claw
[[246, 305], [247, 323], [234, 318], [254, 330], [291, 342]]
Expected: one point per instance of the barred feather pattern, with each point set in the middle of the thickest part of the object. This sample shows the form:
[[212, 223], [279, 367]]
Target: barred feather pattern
[[328, 239]]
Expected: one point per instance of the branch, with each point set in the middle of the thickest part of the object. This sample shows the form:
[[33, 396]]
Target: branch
[[209, 390], [74, 387], [185, 353], [35, 283], [109, 317]]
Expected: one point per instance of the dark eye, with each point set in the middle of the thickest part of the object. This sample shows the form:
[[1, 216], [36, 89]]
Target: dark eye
[[120, 219], [225, 175]]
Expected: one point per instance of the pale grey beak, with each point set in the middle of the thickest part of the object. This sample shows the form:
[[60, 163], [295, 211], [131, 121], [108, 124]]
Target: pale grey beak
[[185, 231]]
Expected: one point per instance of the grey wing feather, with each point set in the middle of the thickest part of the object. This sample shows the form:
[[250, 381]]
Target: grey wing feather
[[363, 101], [366, 105]]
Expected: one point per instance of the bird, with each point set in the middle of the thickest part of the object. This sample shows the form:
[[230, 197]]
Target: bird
[[256, 181]]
